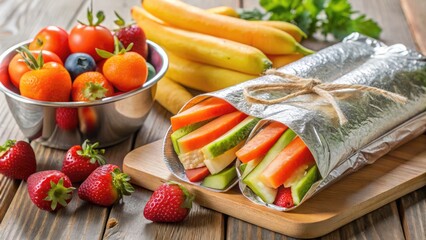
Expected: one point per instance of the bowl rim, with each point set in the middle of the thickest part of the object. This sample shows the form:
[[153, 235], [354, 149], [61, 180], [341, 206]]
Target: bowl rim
[[148, 84]]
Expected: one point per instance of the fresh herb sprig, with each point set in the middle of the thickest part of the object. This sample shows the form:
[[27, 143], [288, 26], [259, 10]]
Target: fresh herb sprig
[[328, 17]]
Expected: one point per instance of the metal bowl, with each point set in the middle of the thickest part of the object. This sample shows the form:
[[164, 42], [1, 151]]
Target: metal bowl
[[107, 121]]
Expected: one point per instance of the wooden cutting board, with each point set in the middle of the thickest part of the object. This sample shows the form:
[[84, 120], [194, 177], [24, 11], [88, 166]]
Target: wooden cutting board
[[394, 175]]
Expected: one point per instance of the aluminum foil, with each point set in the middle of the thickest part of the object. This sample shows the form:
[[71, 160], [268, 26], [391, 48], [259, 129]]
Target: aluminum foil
[[375, 124]]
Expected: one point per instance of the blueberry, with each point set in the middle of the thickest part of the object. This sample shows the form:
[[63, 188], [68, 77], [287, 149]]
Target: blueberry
[[151, 70], [78, 63]]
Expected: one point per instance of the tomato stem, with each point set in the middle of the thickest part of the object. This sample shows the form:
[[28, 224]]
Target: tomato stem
[[118, 49], [100, 16], [30, 60]]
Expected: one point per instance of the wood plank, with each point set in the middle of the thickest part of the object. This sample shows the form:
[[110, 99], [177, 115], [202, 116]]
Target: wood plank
[[80, 219], [154, 127], [8, 130], [238, 229], [22, 19], [389, 15], [108, 7], [412, 209], [353, 196], [384, 223], [126, 221], [415, 12], [213, 3]]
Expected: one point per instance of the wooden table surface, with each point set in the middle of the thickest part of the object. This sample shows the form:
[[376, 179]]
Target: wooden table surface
[[403, 21]]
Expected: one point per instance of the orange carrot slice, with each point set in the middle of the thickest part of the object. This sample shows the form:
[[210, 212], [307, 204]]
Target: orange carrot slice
[[197, 174], [260, 144], [209, 132], [204, 110], [290, 159]]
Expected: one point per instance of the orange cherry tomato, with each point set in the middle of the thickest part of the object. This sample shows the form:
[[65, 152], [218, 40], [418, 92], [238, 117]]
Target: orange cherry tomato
[[17, 66], [126, 71], [50, 83]]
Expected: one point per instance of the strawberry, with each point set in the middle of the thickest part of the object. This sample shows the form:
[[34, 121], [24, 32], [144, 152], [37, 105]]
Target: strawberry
[[105, 186], [67, 118], [48, 188], [17, 159], [171, 202], [80, 161], [128, 34], [284, 198]]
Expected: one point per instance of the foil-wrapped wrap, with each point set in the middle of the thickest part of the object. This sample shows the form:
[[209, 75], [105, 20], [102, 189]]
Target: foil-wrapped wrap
[[375, 124]]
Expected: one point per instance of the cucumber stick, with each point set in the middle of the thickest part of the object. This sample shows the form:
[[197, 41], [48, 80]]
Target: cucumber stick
[[230, 139], [220, 180], [299, 189], [181, 132], [252, 180]]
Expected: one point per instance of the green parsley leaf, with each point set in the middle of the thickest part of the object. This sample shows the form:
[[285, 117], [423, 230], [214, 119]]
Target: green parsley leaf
[[329, 17]]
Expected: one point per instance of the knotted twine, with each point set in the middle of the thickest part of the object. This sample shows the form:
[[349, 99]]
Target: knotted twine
[[301, 86]]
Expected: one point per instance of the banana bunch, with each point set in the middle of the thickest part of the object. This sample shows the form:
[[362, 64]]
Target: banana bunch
[[214, 49]]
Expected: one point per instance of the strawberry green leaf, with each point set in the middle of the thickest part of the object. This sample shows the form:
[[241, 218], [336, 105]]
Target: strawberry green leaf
[[94, 91], [58, 193], [6, 146], [121, 183], [90, 151]]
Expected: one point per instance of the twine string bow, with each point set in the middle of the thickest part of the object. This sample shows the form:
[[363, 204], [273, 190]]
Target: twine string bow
[[300, 86]]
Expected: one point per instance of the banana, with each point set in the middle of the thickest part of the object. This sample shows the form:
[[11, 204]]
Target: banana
[[224, 10], [203, 48], [267, 39], [203, 77], [287, 27]]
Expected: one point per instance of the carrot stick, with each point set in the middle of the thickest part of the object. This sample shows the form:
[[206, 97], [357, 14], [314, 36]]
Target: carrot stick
[[260, 144], [209, 132], [207, 109], [290, 159], [282, 60]]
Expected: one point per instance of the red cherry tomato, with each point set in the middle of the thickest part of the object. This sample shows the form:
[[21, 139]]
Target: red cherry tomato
[[86, 39], [17, 66], [54, 39]]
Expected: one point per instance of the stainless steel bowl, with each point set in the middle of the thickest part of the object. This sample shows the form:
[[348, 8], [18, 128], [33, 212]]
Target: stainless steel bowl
[[107, 121]]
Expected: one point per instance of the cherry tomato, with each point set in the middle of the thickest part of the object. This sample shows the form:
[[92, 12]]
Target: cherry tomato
[[86, 39], [17, 66], [54, 39]]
